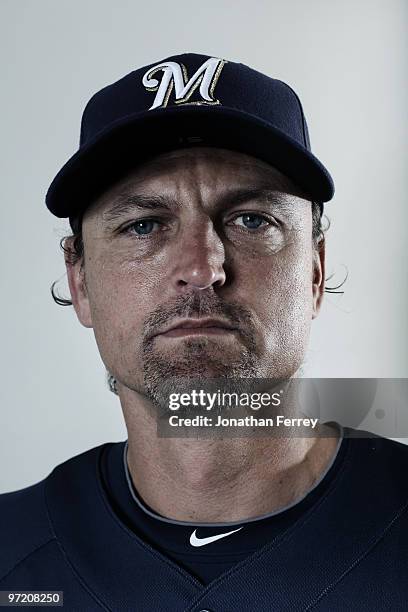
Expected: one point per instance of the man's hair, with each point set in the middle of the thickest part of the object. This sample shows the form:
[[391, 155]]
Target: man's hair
[[73, 247]]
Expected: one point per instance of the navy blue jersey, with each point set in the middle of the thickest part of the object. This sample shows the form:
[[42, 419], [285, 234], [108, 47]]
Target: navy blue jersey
[[190, 544], [348, 549]]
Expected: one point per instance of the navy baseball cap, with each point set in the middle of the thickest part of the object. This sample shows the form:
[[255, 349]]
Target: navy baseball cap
[[182, 101]]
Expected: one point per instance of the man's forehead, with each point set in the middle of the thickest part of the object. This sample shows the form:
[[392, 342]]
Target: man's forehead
[[201, 168], [214, 161]]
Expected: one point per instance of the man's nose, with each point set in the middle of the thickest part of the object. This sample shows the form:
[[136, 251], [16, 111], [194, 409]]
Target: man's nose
[[199, 259]]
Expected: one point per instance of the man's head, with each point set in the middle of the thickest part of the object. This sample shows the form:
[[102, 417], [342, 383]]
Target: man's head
[[200, 236], [195, 199]]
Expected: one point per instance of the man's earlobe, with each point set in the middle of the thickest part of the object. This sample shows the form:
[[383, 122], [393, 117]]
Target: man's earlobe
[[318, 276], [78, 289]]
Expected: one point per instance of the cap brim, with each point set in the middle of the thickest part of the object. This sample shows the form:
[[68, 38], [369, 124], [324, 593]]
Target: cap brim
[[132, 140]]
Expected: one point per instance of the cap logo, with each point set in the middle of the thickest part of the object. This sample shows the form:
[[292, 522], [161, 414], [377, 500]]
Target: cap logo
[[175, 77]]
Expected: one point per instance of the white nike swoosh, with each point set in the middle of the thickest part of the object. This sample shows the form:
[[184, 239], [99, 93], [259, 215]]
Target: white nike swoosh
[[194, 541]]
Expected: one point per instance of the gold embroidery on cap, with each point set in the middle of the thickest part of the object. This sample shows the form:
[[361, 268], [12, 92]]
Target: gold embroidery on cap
[[175, 78]]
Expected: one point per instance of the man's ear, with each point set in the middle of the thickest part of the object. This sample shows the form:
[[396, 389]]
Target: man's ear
[[77, 286], [318, 276]]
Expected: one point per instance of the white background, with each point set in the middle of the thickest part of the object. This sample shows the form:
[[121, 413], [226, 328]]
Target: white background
[[347, 59]]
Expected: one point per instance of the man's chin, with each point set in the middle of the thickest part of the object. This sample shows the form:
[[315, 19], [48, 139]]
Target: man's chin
[[198, 344], [196, 361], [196, 352], [199, 368]]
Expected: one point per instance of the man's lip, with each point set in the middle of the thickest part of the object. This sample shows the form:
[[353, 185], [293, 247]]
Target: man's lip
[[195, 327]]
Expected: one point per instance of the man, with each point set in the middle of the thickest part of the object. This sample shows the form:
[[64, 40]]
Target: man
[[197, 255]]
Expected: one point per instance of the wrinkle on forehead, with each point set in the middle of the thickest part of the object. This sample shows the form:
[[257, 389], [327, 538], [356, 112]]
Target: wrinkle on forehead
[[204, 161], [204, 172]]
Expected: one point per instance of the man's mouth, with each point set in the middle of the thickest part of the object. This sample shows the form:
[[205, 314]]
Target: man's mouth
[[196, 327]]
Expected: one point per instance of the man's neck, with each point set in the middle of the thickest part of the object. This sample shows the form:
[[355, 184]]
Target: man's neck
[[221, 480]]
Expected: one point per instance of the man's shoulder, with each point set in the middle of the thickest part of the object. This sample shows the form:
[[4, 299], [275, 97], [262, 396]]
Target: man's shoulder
[[381, 463], [378, 446], [386, 446], [25, 526]]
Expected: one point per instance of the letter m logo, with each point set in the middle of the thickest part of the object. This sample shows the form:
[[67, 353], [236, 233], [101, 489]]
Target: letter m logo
[[175, 77]]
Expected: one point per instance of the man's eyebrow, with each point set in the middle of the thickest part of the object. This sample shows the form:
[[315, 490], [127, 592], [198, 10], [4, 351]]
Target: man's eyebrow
[[275, 197], [129, 203], [125, 204]]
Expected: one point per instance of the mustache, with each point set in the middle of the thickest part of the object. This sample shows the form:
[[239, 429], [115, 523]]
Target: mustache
[[203, 304]]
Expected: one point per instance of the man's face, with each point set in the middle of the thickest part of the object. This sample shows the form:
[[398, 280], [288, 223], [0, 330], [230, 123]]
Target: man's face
[[200, 262]]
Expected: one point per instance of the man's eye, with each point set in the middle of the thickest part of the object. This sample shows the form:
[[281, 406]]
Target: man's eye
[[251, 220], [142, 227]]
